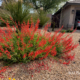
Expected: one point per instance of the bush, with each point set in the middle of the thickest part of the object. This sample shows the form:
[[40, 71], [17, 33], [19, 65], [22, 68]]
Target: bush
[[62, 31], [69, 30], [43, 18], [6, 16], [29, 44], [17, 12]]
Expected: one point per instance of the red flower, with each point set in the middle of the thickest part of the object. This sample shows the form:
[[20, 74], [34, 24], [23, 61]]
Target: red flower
[[0, 54], [42, 43], [30, 45], [53, 51], [31, 53], [53, 43], [37, 39], [70, 57], [71, 28], [48, 48], [66, 63], [9, 56], [24, 55], [37, 53]]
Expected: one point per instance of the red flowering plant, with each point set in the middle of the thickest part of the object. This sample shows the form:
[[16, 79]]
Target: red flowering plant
[[30, 43]]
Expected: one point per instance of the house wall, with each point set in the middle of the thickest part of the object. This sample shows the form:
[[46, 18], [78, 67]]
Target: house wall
[[65, 17], [73, 15]]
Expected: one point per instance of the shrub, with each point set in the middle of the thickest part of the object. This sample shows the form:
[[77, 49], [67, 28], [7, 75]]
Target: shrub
[[6, 16], [69, 30], [43, 18], [29, 44], [62, 31], [17, 12]]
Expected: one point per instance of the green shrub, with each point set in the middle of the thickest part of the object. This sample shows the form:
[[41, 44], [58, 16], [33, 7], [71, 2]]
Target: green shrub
[[6, 16], [62, 31], [17, 12], [69, 31], [43, 18]]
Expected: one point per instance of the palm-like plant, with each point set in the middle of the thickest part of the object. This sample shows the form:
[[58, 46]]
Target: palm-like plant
[[5, 16], [18, 12]]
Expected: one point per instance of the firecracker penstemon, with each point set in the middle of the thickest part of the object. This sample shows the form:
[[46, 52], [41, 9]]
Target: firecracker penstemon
[[29, 43]]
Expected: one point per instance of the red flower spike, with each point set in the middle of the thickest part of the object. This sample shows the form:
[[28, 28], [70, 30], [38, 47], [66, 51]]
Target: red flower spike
[[31, 75], [24, 55], [0, 54], [38, 21], [74, 30], [71, 28], [59, 29], [42, 43], [53, 51], [30, 54], [11, 18], [66, 63]]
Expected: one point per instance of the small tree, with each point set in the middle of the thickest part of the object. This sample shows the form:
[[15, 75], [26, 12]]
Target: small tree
[[47, 5]]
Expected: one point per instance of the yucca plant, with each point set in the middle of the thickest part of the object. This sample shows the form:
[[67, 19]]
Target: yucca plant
[[18, 12], [6, 16]]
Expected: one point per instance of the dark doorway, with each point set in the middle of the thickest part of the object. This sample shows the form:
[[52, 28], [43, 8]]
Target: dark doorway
[[55, 21], [77, 19]]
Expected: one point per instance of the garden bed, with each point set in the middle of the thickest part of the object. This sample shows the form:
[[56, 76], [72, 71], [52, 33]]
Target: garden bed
[[57, 71]]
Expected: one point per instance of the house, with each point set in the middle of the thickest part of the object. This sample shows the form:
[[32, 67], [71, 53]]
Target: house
[[67, 15]]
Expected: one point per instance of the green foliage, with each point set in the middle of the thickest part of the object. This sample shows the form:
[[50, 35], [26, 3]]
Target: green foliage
[[59, 50], [46, 4], [62, 31], [43, 18], [6, 16], [67, 31], [17, 12], [34, 17]]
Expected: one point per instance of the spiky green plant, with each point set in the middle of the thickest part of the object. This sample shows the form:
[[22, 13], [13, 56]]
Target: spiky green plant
[[6, 16], [18, 12]]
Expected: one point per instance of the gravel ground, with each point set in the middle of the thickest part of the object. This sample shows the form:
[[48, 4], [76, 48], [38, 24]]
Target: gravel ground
[[58, 71]]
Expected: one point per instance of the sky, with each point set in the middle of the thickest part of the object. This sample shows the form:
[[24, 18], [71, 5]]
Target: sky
[[0, 3]]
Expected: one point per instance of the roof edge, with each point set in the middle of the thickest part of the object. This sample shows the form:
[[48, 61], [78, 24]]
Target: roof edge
[[65, 5]]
